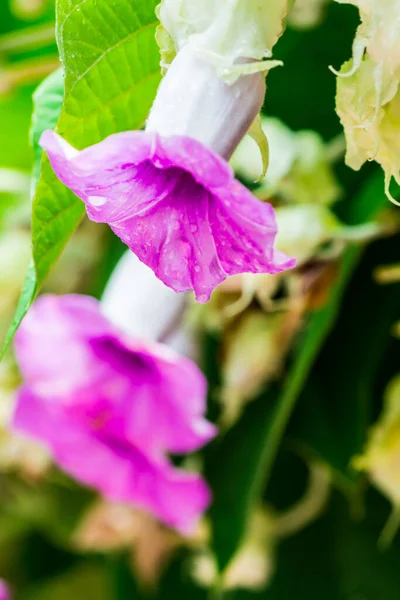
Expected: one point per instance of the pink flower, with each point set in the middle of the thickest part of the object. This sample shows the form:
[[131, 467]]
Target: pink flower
[[4, 591], [175, 204], [110, 408]]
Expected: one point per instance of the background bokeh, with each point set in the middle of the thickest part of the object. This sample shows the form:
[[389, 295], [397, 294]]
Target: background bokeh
[[298, 367]]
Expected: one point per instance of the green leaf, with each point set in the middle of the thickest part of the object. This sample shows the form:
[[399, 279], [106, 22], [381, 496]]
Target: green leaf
[[111, 65], [47, 102], [248, 451]]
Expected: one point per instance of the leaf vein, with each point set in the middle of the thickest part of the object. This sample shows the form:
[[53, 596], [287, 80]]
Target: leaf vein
[[100, 58]]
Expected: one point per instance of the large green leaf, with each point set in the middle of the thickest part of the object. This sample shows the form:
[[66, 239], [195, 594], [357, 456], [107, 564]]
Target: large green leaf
[[248, 451], [111, 65]]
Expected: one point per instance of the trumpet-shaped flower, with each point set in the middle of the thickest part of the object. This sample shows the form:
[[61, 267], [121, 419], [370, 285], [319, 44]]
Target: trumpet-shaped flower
[[175, 204], [110, 408]]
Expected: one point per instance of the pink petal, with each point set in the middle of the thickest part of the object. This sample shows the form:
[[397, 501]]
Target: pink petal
[[50, 344], [4, 591], [167, 412]]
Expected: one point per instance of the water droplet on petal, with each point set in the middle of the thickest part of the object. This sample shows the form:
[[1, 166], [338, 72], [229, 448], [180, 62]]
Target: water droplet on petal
[[97, 200]]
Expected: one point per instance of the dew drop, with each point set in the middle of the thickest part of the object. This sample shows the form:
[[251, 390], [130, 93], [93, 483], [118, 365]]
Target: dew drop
[[97, 200]]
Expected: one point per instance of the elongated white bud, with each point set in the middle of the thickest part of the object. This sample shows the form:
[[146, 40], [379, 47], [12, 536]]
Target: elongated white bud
[[194, 101]]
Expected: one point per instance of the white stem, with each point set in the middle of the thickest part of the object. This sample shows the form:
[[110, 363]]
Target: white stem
[[139, 303], [194, 101]]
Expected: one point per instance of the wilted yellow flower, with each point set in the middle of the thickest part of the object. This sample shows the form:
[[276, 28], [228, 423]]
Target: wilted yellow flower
[[368, 98]]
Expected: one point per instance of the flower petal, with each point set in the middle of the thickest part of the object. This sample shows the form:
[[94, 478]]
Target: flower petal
[[160, 417], [4, 591], [50, 346]]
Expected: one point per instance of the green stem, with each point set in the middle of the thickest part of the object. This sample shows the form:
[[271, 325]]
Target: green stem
[[391, 528]]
